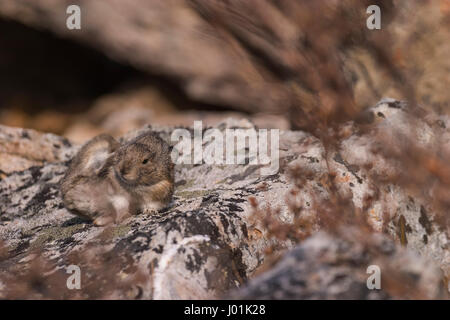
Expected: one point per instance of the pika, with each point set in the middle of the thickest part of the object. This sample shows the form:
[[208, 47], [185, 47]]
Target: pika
[[144, 168], [107, 182]]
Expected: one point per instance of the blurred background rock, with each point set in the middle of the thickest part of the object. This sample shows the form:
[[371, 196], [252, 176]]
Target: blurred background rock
[[283, 64]]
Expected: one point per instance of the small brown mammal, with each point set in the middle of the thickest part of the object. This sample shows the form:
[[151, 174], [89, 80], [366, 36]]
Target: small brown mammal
[[107, 182], [144, 168]]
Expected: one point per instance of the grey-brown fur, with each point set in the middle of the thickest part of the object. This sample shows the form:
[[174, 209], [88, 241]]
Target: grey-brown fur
[[107, 181]]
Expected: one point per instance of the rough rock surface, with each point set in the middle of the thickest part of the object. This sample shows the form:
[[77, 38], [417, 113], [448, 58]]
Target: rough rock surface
[[205, 244], [24, 148], [198, 248], [329, 267]]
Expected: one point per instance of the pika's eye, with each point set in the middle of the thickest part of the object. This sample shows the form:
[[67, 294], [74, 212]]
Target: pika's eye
[[145, 161]]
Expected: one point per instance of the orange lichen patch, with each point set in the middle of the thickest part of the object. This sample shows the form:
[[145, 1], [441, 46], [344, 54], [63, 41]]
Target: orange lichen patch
[[374, 220], [374, 215], [254, 233], [343, 179]]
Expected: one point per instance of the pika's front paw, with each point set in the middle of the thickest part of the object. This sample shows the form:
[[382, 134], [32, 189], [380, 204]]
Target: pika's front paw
[[151, 208], [103, 221]]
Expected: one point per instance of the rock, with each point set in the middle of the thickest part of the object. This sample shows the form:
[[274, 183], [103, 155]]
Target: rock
[[255, 65], [199, 248], [21, 149], [210, 240], [371, 82], [164, 39], [392, 183], [333, 267], [130, 109]]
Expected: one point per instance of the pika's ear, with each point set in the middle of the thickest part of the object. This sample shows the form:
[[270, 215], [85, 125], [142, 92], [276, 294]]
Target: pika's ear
[[103, 169]]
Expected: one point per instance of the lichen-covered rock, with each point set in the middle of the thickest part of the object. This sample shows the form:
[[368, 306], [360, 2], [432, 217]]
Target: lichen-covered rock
[[208, 242], [199, 247], [386, 170], [331, 267], [21, 149]]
